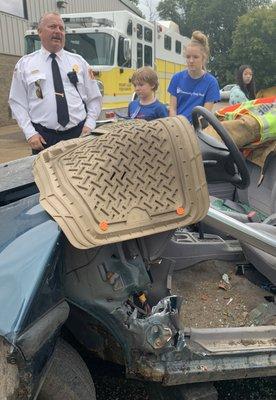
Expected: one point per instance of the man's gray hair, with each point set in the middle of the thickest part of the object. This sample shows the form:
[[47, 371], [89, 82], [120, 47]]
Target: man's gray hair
[[40, 22]]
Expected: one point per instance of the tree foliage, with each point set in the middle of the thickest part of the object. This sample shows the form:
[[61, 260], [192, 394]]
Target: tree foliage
[[152, 14], [254, 43], [217, 19]]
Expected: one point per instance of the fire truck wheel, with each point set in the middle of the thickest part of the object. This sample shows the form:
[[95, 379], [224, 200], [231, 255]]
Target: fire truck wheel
[[68, 377]]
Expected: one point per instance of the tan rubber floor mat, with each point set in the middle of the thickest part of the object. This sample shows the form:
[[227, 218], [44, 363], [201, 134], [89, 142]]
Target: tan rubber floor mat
[[135, 180], [126, 123]]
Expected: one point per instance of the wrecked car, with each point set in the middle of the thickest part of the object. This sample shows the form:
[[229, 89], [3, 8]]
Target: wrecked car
[[120, 251]]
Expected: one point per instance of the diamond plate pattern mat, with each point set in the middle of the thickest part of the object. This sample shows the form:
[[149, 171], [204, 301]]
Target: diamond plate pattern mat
[[126, 123], [131, 181]]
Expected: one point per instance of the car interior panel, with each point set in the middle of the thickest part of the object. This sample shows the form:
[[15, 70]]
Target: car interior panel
[[253, 204]]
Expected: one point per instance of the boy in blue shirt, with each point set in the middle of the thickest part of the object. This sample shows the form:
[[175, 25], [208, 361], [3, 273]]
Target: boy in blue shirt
[[145, 82]]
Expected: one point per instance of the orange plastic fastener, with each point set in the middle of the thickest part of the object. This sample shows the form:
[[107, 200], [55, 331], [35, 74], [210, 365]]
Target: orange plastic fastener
[[103, 225], [180, 211]]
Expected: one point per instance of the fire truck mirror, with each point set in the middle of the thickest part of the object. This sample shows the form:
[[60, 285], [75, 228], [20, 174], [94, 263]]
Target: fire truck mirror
[[127, 49]]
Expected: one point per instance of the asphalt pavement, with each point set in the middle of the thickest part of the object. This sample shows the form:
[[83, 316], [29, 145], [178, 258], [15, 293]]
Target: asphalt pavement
[[12, 144], [111, 384]]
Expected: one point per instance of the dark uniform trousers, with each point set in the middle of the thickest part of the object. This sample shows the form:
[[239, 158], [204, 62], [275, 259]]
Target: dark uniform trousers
[[51, 136]]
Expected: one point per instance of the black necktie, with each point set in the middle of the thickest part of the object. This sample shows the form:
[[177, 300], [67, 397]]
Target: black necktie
[[62, 107]]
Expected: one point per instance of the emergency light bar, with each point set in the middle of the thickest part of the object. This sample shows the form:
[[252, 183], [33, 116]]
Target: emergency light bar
[[84, 21]]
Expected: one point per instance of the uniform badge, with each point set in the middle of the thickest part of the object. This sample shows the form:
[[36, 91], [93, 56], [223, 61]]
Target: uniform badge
[[76, 68], [35, 71]]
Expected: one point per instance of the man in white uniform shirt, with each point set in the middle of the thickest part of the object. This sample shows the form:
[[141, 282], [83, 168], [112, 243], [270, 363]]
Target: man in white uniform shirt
[[53, 95]]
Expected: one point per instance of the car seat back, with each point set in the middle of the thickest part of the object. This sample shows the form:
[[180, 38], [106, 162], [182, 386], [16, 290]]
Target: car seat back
[[261, 194]]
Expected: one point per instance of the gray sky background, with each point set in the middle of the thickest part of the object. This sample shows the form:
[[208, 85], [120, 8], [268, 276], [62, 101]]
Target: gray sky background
[[14, 7]]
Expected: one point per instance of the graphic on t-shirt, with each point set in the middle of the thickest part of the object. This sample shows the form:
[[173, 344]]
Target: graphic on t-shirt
[[178, 90]]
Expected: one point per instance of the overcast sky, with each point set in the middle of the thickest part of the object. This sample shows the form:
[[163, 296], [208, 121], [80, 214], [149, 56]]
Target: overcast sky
[[14, 7]]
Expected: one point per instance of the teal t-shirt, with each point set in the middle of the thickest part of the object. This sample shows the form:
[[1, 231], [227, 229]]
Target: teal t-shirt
[[237, 95]]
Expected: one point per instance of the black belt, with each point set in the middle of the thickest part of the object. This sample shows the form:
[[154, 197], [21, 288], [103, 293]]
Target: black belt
[[49, 130]]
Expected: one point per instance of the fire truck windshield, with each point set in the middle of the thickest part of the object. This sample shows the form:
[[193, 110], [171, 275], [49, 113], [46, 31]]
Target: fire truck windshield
[[96, 48]]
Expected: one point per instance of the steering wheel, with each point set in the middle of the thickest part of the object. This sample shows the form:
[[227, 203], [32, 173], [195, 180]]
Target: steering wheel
[[241, 178]]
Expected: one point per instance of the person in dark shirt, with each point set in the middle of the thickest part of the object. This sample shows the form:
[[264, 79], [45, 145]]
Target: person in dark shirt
[[146, 106]]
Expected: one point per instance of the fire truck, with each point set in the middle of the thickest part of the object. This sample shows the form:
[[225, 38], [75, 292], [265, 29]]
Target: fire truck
[[115, 44]]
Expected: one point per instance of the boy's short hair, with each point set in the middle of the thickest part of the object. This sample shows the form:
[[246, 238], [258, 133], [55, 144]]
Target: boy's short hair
[[146, 74]]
